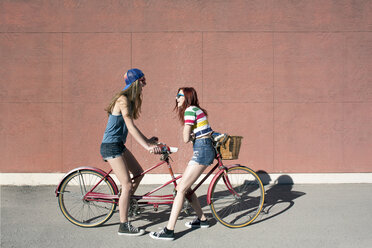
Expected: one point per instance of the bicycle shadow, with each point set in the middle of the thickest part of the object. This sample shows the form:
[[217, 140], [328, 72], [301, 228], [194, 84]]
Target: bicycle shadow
[[279, 197]]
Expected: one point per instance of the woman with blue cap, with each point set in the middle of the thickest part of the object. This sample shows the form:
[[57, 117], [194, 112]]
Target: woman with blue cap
[[123, 109]]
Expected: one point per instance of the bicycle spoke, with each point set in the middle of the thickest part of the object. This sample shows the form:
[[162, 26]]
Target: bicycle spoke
[[82, 184]]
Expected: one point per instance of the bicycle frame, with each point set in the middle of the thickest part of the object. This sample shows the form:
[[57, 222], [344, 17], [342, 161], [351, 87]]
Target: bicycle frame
[[222, 169], [149, 198]]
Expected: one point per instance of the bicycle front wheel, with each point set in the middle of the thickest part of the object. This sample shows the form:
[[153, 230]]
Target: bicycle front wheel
[[82, 212], [237, 197]]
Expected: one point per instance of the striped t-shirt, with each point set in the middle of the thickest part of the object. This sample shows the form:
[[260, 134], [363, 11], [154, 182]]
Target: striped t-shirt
[[195, 117]]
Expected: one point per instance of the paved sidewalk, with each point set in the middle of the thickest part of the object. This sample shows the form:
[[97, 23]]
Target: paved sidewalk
[[316, 216]]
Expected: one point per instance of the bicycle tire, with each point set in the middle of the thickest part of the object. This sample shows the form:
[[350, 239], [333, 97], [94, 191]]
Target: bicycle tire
[[81, 212], [237, 211]]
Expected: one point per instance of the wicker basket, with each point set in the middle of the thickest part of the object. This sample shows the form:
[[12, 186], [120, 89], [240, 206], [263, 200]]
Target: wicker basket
[[230, 149]]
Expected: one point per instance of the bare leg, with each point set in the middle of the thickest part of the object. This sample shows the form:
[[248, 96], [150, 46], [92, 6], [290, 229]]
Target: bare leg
[[190, 175], [196, 206], [134, 167], [121, 171]]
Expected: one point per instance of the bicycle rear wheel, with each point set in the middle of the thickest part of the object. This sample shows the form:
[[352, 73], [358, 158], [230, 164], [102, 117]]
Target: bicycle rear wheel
[[239, 204], [81, 212]]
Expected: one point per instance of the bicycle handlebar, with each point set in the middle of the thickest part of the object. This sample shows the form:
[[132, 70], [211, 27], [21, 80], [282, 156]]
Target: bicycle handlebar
[[167, 149]]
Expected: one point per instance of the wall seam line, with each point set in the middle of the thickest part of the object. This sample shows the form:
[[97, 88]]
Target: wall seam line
[[343, 100], [131, 66], [273, 68], [62, 103], [202, 65], [205, 31]]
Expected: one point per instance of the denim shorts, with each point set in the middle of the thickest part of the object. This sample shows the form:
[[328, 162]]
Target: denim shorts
[[204, 152], [112, 150]]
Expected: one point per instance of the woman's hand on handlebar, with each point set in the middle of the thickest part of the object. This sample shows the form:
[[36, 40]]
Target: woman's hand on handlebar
[[155, 149]]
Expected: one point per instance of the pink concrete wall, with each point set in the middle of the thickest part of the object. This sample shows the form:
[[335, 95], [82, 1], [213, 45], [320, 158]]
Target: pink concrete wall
[[293, 77]]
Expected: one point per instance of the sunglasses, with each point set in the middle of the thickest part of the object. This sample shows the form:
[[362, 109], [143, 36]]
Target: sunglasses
[[179, 95]]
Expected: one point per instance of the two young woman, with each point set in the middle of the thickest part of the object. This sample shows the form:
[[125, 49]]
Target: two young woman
[[123, 109]]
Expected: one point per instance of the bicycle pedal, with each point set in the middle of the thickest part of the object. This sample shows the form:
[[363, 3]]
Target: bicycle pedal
[[138, 211]]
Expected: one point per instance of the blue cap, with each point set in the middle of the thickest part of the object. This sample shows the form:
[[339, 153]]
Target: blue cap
[[131, 76]]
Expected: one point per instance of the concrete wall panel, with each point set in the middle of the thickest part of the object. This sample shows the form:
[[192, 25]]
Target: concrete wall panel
[[308, 137], [165, 15], [130, 16], [31, 137], [94, 16], [237, 15], [31, 67], [357, 137], [319, 15], [30, 16], [308, 67], [94, 65], [358, 68], [237, 67]]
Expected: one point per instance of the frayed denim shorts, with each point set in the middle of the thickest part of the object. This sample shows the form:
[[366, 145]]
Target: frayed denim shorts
[[204, 152], [112, 150]]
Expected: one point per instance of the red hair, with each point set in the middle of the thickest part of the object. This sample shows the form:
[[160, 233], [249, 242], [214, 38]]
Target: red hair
[[191, 99]]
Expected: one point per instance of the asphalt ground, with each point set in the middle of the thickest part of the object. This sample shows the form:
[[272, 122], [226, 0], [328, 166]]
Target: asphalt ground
[[319, 215]]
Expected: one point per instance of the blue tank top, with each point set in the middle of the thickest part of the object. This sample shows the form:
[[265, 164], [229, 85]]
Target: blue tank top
[[116, 130]]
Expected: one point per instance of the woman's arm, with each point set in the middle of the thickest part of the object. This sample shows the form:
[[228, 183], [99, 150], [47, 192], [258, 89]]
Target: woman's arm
[[187, 130], [132, 128]]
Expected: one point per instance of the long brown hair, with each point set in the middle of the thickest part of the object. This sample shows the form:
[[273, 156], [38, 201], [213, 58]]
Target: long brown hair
[[191, 99], [134, 96]]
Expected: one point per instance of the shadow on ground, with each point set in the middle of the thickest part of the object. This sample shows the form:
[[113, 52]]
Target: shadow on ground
[[279, 198]]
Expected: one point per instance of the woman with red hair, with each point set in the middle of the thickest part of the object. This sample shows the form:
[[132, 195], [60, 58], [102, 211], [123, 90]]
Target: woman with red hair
[[196, 129]]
